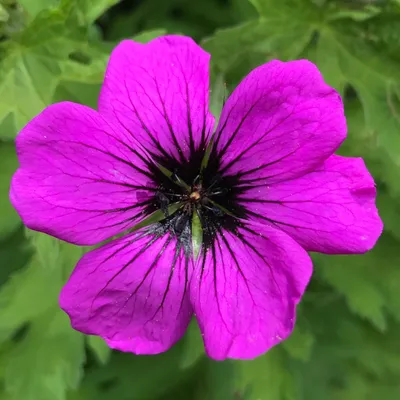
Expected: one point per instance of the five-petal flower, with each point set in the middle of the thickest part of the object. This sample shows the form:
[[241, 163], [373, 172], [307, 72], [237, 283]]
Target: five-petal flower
[[265, 187]]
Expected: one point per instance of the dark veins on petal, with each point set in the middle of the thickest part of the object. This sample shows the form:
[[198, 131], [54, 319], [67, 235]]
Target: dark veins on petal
[[183, 189], [196, 190]]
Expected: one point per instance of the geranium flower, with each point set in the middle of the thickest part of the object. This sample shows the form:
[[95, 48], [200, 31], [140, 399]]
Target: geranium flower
[[265, 189]]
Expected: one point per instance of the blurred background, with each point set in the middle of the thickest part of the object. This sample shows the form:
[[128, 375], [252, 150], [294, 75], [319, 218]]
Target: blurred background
[[346, 345]]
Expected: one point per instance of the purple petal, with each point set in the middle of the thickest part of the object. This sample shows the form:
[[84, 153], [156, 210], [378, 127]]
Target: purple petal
[[131, 292], [331, 210], [245, 290], [279, 123], [158, 92], [79, 179]]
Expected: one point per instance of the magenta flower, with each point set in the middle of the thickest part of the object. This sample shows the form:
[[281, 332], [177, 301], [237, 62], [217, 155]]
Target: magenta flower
[[271, 191]]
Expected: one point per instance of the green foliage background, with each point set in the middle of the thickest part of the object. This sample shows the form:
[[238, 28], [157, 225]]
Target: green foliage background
[[346, 345]]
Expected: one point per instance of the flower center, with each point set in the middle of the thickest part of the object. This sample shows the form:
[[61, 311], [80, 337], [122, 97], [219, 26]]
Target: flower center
[[188, 192]]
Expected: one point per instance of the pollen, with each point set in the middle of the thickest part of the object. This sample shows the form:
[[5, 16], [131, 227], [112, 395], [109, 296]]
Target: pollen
[[194, 196]]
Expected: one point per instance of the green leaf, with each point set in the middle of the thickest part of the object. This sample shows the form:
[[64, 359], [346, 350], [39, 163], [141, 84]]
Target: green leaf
[[78, 92], [15, 252], [268, 377], [283, 30], [369, 11], [40, 280], [361, 142], [373, 78], [350, 359], [193, 349], [16, 296], [89, 10], [130, 377], [47, 355], [12, 18], [363, 296], [369, 283], [81, 92], [389, 210], [218, 382], [4, 15], [51, 49], [35, 7], [300, 342], [293, 29], [48, 360], [54, 48], [9, 219], [99, 348], [146, 36], [54, 254], [218, 94]]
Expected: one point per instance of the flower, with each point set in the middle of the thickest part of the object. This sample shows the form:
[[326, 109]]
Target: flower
[[265, 188]]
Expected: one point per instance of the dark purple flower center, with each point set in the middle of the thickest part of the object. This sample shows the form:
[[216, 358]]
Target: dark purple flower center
[[198, 190]]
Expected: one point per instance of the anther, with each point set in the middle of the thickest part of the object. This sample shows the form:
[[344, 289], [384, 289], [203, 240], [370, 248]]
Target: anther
[[194, 196]]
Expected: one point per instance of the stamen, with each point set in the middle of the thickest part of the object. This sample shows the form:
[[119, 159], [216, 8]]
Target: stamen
[[195, 196], [224, 191]]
